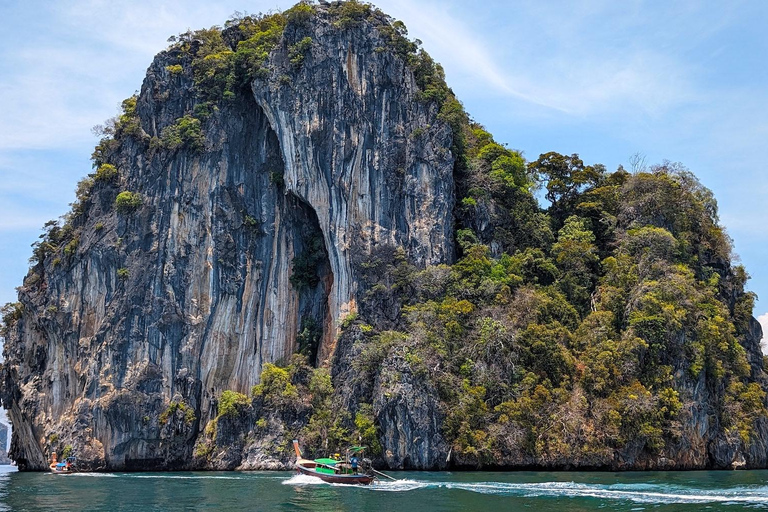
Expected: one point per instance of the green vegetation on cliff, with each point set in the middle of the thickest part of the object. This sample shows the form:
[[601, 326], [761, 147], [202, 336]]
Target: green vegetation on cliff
[[292, 400], [127, 202], [224, 62], [565, 333], [600, 329], [562, 334], [606, 329], [220, 64]]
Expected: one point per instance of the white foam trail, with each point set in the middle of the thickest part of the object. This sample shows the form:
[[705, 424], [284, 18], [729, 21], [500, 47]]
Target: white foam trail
[[399, 485], [637, 493], [301, 479], [644, 495], [378, 485]]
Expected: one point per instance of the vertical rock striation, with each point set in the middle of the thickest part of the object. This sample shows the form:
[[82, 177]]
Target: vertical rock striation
[[275, 177], [124, 339], [350, 153]]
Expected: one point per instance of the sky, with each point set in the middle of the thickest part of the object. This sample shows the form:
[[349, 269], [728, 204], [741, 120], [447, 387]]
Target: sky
[[684, 81]]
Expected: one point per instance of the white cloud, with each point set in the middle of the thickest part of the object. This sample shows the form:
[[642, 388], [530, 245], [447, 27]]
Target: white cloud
[[633, 68], [544, 58], [747, 219], [18, 222], [60, 82], [547, 57], [445, 36], [763, 319]]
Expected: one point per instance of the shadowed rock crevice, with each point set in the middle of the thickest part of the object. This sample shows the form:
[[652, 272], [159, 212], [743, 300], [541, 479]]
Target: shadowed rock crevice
[[312, 278], [124, 345]]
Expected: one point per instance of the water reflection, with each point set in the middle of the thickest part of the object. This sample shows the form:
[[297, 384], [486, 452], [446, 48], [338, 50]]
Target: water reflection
[[426, 492], [5, 481], [320, 498]]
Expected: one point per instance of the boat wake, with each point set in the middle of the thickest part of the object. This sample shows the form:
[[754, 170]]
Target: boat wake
[[658, 494], [652, 494], [299, 479], [400, 485], [638, 493]]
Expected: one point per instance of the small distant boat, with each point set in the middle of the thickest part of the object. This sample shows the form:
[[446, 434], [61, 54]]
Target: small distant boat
[[65, 467], [332, 470]]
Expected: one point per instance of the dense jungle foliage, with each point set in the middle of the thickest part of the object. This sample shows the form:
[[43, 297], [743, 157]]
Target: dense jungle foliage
[[567, 331], [562, 332], [596, 329]]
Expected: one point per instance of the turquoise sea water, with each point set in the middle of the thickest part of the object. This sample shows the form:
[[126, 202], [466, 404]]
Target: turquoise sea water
[[428, 491]]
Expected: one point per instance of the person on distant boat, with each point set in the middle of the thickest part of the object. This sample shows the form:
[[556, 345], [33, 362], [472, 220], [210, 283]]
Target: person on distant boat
[[353, 463]]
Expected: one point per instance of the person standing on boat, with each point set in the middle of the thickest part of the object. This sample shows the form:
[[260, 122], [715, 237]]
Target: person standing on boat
[[353, 463]]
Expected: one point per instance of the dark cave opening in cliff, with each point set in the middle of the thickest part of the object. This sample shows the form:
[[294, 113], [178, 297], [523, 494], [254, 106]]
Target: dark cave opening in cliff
[[312, 278]]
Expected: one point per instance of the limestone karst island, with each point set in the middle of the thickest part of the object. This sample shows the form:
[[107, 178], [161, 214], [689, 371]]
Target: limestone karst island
[[295, 231]]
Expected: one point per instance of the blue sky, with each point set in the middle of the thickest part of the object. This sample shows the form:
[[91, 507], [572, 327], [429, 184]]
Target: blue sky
[[685, 81]]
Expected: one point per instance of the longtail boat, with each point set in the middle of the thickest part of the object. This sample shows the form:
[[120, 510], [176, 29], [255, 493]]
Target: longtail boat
[[65, 467], [333, 471]]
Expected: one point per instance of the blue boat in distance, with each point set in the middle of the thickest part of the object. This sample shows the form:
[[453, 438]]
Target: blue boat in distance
[[65, 467]]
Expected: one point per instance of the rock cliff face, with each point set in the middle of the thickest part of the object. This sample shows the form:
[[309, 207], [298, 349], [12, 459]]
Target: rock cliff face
[[192, 292], [288, 184]]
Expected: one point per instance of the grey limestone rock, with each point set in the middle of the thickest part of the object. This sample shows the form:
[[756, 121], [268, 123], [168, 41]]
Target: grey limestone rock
[[191, 293]]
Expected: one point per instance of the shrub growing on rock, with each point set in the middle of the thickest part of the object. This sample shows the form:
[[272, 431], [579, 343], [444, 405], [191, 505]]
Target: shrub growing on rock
[[231, 402], [127, 202]]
